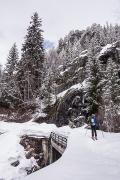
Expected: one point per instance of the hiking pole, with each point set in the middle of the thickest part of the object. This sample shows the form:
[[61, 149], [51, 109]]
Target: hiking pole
[[102, 133], [86, 131]]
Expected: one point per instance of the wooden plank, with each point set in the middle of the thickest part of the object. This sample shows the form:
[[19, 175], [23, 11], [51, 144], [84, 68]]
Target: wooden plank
[[58, 142], [58, 148]]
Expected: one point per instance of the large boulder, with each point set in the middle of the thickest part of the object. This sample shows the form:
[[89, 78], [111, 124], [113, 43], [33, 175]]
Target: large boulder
[[69, 107], [110, 50]]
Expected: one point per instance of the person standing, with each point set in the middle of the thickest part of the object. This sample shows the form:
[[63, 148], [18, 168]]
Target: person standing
[[93, 126]]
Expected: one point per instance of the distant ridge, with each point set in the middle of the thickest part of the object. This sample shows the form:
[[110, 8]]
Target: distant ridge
[[48, 44]]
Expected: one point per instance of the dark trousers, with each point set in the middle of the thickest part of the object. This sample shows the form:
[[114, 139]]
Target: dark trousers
[[93, 128]]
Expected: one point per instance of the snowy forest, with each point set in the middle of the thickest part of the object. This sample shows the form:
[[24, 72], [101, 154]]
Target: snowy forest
[[65, 84]]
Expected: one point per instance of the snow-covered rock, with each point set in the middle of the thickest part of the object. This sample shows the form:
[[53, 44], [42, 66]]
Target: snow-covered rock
[[110, 50]]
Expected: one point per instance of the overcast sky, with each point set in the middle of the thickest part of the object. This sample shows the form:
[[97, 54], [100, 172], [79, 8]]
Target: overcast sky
[[59, 17]]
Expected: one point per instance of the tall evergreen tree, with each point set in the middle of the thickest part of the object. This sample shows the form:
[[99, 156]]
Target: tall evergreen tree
[[93, 71], [0, 79], [9, 90], [0, 71], [47, 89], [31, 64], [111, 92], [11, 64]]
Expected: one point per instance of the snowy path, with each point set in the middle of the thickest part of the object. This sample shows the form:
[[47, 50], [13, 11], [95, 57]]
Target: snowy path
[[85, 159]]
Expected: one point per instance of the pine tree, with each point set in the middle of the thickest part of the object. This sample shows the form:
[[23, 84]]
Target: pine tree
[[9, 90], [11, 64], [0, 72], [93, 71], [47, 90], [112, 79], [111, 92], [31, 64], [0, 80], [60, 45]]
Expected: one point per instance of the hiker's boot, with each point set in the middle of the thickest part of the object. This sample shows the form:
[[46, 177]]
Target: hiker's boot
[[93, 137], [96, 137]]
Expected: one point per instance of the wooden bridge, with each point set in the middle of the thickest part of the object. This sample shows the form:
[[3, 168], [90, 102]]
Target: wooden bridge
[[52, 148], [58, 144]]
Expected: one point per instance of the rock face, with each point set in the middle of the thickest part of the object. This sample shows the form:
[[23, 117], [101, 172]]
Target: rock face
[[73, 73], [112, 51], [64, 111], [67, 109]]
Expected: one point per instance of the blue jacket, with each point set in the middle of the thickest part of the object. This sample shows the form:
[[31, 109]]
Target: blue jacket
[[93, 121]]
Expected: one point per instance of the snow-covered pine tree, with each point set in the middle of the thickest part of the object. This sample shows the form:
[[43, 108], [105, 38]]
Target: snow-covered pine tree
[[112, 79], [51, 64], [52, 60], [47, 90], [111, 33], [77, 49], [93, 75], [60, 45], [64, 52], [31, 64], [9, 90], [111, 92], [0, 70], [0, 80], [117, 32], [11, 64]]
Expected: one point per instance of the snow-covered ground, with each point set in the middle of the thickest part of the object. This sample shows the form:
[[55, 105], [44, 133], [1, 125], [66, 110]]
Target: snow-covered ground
[[84, 159], [11, 150]]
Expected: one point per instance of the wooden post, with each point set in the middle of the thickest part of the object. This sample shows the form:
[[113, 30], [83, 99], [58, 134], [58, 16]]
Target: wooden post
[[51, 154], [45, 150]]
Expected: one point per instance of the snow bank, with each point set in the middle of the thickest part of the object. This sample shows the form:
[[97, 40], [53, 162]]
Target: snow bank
[[85, 159], [11, 150], [27, 128]]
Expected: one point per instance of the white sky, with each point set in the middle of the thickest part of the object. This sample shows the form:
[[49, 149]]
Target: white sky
[[59, 17]]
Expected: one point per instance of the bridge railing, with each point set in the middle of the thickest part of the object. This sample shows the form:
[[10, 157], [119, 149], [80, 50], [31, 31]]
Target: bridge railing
[[59, 139]]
